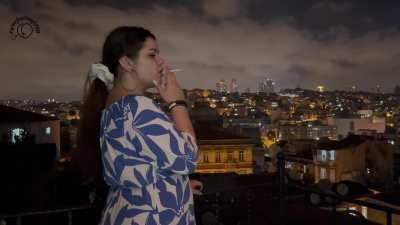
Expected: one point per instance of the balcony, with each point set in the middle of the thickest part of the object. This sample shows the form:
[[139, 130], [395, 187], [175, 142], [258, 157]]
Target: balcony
[[232, 200], [254, 200]]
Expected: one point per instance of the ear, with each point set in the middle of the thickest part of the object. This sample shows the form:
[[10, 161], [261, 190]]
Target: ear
[[127, 64]]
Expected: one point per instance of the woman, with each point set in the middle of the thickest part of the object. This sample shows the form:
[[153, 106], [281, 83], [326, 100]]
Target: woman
[[146, 156]]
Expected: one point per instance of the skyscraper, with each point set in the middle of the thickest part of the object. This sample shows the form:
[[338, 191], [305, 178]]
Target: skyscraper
[[267, 86], [378, 89], [234, 86], [221, 86]]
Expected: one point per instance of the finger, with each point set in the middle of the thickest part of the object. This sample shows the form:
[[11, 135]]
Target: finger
[[157, 85], [168, 75]]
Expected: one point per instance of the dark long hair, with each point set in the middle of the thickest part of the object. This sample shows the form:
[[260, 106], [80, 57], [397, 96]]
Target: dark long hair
[[122, 41]]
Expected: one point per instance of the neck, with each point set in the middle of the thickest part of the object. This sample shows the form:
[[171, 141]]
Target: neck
[[128, 85], [129, 90]]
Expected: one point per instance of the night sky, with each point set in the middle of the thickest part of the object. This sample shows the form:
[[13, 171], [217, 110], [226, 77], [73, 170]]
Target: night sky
[[303, 43]]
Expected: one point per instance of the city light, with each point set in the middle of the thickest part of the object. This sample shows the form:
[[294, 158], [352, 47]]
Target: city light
[[321, 88]]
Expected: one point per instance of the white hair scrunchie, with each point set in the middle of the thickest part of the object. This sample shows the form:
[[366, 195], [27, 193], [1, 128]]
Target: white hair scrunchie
[[101, 72]]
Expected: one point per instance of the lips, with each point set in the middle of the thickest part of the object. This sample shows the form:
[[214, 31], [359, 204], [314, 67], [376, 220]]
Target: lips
[[161, 72]]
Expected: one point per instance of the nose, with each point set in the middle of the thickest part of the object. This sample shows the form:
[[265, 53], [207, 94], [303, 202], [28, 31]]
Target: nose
[[160, 61]]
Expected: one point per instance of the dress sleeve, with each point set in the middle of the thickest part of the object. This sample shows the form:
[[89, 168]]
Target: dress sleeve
[[173, 150], [122, 163], [139, 141]]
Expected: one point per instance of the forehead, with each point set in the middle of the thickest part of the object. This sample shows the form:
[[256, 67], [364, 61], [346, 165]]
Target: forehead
[[149, 44]]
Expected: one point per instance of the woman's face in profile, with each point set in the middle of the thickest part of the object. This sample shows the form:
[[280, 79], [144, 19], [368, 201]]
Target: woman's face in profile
[[149, 64]]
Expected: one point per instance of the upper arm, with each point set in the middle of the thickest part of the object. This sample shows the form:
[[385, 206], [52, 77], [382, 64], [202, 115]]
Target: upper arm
[[139, 141], [171, 148]]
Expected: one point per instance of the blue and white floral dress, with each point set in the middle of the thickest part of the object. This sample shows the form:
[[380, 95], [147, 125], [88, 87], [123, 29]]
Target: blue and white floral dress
[[146, 162]]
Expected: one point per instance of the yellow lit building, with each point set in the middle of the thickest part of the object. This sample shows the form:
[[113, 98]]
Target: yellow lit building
[[220, 152]]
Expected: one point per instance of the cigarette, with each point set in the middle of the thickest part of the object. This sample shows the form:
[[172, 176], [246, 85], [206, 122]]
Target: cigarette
[[176, 70]]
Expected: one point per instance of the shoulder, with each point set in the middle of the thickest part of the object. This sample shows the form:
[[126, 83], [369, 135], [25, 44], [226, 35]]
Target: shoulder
[[130, 102], [131, 107], [140, 103]]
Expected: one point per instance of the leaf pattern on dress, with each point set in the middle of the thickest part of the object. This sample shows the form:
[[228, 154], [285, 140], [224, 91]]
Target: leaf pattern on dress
[[146, 162]]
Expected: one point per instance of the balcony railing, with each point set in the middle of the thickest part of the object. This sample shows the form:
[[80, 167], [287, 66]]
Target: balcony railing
[[283, 185], [66, 213], [261, 200]]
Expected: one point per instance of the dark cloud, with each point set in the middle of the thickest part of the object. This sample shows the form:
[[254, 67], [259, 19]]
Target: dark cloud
[[346, 64], [246, 40], [300, 71], [334, 7]]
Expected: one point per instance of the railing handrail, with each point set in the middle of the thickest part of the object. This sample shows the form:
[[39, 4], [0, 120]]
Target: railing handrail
[[346, 199], [236, 189], [48, 211], [282, 194]]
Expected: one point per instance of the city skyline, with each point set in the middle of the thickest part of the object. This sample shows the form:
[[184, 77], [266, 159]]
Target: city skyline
[[335, 44]]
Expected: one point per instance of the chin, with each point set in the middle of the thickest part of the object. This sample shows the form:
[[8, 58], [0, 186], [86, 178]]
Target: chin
[[150, 85]]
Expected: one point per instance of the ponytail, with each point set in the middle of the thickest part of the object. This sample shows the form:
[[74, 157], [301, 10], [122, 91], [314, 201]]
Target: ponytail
[[88, 159]]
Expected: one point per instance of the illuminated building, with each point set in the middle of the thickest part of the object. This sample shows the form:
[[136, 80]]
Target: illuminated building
[[378, 89], [309, 131], [221, 86], [234, 87], [365, 113], [358, 125], [361, 159], [14, 123], [266, 86], [356, 158], [221, 152]]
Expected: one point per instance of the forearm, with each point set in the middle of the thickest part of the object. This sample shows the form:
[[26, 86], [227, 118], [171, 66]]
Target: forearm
[[180, 116]]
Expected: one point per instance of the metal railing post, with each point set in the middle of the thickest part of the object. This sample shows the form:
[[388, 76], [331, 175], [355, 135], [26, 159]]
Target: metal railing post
[[388, 217], [69, 217], [334, 212], [282, 185]]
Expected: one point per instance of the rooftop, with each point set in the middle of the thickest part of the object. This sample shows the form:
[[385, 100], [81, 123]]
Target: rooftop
[[10, 114], [213, 135], [349, 142]]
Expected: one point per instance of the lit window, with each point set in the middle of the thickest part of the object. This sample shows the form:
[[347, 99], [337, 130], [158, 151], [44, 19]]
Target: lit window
[[332, 155], [16, 133], [218, 157], [323, 155], [230, 157], [48, 130], [241, 156], [322, 174], [205, 157]]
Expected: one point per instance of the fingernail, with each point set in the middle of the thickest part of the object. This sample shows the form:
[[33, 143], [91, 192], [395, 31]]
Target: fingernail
[[155, 82]]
